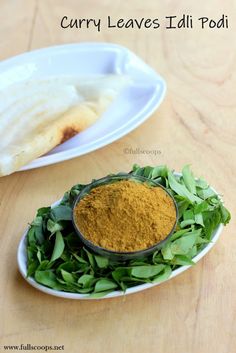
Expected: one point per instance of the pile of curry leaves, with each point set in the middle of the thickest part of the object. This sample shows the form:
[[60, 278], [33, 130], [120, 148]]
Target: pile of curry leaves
[[57, 259]]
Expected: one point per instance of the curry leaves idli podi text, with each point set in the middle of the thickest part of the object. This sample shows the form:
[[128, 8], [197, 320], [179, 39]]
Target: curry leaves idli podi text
[[185, 21]]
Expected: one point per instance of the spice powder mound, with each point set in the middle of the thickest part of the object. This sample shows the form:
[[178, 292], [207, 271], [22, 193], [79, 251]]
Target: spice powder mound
[[125, 216]]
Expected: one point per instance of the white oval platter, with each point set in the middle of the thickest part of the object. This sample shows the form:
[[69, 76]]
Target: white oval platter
[[134, 105], [22, 265]]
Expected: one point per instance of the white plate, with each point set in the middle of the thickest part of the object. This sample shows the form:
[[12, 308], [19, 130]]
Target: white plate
[[135, 104], [22, 264]]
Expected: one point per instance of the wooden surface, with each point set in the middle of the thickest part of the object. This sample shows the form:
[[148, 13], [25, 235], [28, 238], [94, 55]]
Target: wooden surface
[[196, 124]]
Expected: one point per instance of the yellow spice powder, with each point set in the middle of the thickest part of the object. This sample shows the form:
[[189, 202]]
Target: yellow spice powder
[[125, 216]]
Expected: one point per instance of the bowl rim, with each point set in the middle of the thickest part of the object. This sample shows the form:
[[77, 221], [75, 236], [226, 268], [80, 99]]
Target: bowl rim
[[99, 249]]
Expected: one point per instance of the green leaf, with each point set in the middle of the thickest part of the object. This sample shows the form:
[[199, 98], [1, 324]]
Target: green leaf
[[79, 258], [147, 172], [90, 258], [53, 227], [123, 286], [164, 275], [206, 193], [186, 223], [188, 214], [182, 260], [166, 252], [199, 219], [32, 266], [61, 213], [43, 211], [31, 235], [179, 233], [68, 266], [58, 247], [225, 215], [47, 278], [38, 229], [189, 180], [39, 234], [160, 171], [201, 207], [39, 255], [201, 240], [192, 252], [101, 261], [119, 273], [182, 207], [183, 245], [181, 189], [104, 284], [201, 183], [146, 271], [44, 265], [37, 221], [211, 220], [68, 277], [135, 168], [85, 280]]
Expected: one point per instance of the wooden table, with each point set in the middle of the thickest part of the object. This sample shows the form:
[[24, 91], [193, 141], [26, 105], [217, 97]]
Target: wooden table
[[196, 124]]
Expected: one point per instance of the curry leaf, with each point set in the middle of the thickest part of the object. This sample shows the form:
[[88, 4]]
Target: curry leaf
[[38, 229], [182, 260], [47, 278], [85, 280], [201, 207], [101, 261], [119, 273], [146, 271], [163, 275], [181, 189], [166, 252], [199, 219], [182, 245], [31, 235], [186, 223], [43, 211], [225, 215], [67, 276], [206, 193], [79, 258], [53, 227], [104, 285], [44, 265], [58, 247], [90, 258], [189, 180], [148, 172], [61, 213], [32, 267], [159, 171], [201, 183], [37, 221], [179, 233]]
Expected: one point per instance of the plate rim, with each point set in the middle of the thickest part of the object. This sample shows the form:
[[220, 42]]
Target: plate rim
[[21, 261]]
